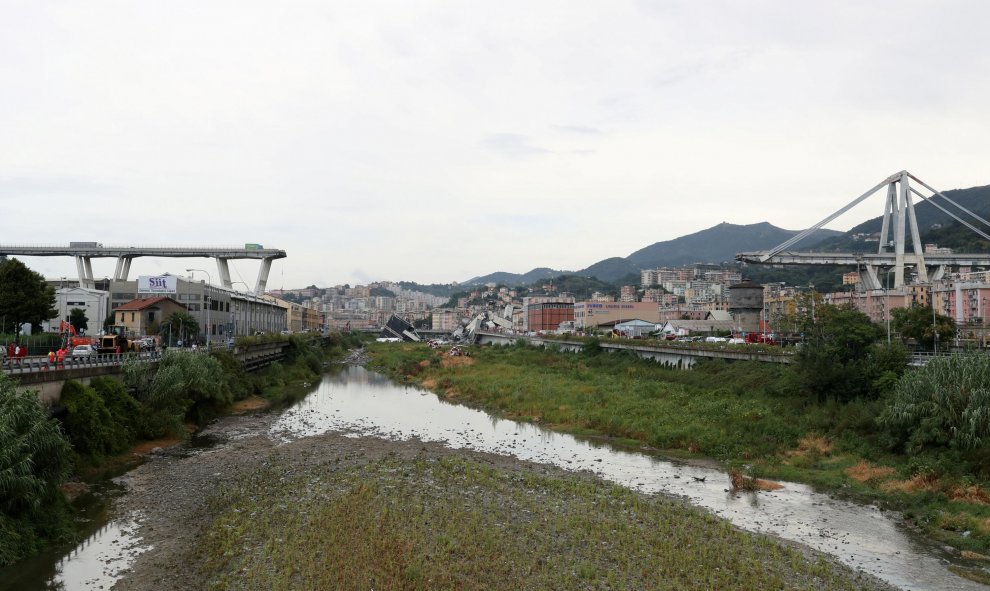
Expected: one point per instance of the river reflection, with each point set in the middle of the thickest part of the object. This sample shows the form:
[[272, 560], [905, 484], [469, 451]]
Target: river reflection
[[364, 403]]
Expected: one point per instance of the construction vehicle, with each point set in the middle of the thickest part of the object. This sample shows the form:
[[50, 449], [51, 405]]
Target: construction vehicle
[[69, 337], [114, 341]]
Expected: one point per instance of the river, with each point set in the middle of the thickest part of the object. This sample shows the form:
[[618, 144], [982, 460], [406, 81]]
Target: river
[[363, 403]]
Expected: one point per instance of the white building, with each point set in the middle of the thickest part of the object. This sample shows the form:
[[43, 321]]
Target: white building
[[93, 302]]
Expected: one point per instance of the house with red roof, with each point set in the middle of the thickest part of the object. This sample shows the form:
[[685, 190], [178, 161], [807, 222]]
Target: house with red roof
[[143, 315]]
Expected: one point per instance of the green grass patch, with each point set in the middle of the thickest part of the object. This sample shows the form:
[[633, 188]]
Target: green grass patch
[[459, 524]]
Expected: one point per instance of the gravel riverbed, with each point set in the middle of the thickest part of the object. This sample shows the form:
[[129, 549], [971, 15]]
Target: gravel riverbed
[[168, 494]]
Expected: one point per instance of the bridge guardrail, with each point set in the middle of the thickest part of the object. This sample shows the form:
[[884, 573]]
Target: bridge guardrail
[[28, 365]]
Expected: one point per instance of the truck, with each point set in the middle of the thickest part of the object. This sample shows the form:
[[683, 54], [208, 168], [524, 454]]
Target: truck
[[763, 338]]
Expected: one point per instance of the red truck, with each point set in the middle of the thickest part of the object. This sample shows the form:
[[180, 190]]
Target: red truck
[[763, 338]]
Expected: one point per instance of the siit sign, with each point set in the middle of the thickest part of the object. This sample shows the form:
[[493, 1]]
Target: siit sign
[[157, 284]]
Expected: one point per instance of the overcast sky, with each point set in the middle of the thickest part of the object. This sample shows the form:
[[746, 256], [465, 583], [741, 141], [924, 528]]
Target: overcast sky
[[436, 141]]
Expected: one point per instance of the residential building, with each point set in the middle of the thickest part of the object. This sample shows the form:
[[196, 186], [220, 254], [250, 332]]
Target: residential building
[[143, 316], [446, 319]]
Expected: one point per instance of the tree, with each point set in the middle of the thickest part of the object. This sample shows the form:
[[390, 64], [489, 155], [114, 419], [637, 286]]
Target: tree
[[181, 324], [78, 319], [919, 323], [24, 297], [843, 357]]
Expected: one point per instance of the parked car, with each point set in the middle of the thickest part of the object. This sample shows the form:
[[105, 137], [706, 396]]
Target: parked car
[[737, 341], [83, 351]]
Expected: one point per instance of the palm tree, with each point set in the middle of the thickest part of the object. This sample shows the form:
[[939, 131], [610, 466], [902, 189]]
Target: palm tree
[[181, 324]]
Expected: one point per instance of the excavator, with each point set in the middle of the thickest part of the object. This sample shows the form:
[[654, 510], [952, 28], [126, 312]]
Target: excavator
[[69, 337]]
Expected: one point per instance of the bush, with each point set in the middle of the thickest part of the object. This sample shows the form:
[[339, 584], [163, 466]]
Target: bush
[[34, 462], [125, 410], [91, 428], [945, 404], [186, 386]]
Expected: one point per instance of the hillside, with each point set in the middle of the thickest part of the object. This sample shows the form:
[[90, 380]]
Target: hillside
[[503, 278], [720, 243]]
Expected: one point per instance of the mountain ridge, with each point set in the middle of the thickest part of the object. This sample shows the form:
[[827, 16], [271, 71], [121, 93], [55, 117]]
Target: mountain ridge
[[720, 243]]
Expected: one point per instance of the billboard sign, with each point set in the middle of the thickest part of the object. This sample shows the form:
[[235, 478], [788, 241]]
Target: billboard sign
[[157, 284]]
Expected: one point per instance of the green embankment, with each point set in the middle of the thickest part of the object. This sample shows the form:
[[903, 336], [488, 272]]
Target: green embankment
[[753, 417]]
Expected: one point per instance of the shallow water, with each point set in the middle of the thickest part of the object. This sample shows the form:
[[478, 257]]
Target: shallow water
[[107, 550], [861, 536]]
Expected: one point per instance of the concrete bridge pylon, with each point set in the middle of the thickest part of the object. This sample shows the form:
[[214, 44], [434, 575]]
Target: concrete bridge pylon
[[898, 223]]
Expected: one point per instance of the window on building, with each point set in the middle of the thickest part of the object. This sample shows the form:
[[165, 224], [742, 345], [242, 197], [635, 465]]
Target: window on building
[[151, 316], [132, 316]]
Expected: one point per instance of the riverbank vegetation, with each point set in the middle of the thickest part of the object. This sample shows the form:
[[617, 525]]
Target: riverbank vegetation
[[97, 425], [458, 523], [845, 416]]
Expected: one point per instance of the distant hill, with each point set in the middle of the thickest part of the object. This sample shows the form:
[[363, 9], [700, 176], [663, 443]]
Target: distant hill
[[714, 245], [514, 279], [611, 269], [720, 243]]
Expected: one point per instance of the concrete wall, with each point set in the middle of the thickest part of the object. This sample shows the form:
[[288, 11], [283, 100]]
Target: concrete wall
[[49, 384]]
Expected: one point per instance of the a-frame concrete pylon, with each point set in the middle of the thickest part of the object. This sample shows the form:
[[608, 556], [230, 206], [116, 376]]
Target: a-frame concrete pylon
[[898, 219]]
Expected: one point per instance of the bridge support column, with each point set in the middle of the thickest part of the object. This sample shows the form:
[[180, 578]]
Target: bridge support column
[[266, 267], [84, 266], [224, 267], [123, 269], [868, 277]]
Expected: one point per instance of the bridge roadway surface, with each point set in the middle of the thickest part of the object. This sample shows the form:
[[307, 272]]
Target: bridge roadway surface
[[84, 252]]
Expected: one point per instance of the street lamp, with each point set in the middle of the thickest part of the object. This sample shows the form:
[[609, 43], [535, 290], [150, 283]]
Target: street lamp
[[934, 323], [886, 305], [208, 301]]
